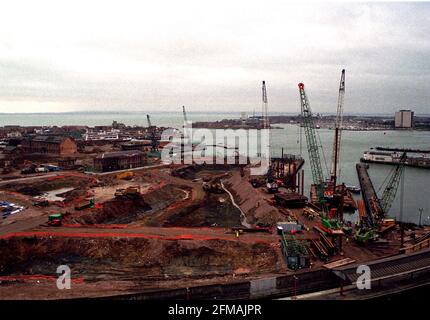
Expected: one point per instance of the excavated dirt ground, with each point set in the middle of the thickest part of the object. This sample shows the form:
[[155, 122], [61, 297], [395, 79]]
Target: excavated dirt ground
[[111, 212], [134, 258], [213, 210], [37, 188]]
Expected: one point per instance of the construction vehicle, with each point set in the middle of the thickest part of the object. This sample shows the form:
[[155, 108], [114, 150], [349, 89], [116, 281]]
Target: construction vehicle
[[330, 223], [55, 220], [264, 106], [131, 192], [312, 145], [373, 226], [128, 175], [310, 213], [335, 168], [271, 184], [393, 184], [296, 252], [272, 187], [153, 135], [315, 161], [41, 202], [213, 186], [186, 134], [88, 203]]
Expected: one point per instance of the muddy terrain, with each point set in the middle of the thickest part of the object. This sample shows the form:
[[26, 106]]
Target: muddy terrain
[[104, 258]]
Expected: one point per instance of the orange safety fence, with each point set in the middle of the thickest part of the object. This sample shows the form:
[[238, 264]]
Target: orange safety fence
[[55, 177]]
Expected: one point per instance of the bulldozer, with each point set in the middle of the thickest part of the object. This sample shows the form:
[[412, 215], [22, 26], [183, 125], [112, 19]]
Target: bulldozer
[[132, 192]]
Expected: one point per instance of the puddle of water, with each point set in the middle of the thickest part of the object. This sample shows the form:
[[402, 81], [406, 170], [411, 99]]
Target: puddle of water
[[53, 195]]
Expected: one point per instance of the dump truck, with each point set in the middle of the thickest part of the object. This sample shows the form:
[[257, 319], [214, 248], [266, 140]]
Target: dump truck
[[88, 203], [132, 192]]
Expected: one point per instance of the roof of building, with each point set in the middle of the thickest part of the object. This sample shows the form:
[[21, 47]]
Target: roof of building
[[119, 154], [48, 138]]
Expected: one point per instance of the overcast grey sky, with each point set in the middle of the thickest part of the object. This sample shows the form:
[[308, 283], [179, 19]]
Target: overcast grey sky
[[212, 56]]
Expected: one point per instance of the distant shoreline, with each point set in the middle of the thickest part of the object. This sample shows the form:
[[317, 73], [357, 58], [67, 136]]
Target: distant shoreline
[[236, 113]]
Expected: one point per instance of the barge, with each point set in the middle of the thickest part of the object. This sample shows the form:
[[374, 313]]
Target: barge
[[392, 157]]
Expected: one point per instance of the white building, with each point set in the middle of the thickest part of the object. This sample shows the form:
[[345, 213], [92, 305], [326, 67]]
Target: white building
[[404, 119], [101, 135]]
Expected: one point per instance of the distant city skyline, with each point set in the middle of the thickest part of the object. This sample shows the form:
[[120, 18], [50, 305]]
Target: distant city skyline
[[212, 56]]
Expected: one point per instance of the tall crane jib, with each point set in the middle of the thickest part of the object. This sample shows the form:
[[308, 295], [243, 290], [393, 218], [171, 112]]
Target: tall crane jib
[[266, 124], [185, 114], [335, 168], [264, 99], [153, 135], [186, 128], [149, 121], [311, 141], [392, 185]]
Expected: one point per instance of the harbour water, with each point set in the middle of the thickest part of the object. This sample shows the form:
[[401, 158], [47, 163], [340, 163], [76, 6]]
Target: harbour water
[[354, 143]]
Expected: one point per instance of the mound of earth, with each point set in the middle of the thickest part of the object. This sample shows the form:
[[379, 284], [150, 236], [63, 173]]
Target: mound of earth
[[115, 211], [134, 258]]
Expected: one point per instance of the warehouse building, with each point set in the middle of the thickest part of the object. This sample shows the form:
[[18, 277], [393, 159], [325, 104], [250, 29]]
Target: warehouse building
[[49, 144], [120, 160]]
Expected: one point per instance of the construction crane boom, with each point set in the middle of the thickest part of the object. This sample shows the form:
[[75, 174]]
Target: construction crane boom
[[264, 96], [185, 114], [335, 168], [152, 134], [266, 124], [392, 185], [311, 141]]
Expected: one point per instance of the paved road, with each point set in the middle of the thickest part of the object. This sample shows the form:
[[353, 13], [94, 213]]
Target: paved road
[[22, 225], [32, 178]]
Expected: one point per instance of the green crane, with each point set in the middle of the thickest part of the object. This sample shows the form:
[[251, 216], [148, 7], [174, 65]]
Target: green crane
[[311, 142], [393, 184], [366, 233]]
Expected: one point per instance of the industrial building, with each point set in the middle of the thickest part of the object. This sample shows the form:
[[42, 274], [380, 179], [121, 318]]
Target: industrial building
[[49, 144], [404, 119], [111, 161]]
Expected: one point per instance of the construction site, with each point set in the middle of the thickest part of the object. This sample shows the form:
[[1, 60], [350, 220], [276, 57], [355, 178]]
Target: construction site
[[143, 229]]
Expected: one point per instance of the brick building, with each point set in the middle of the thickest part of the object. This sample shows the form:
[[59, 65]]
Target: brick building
[[111, 161], [49, 144]]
